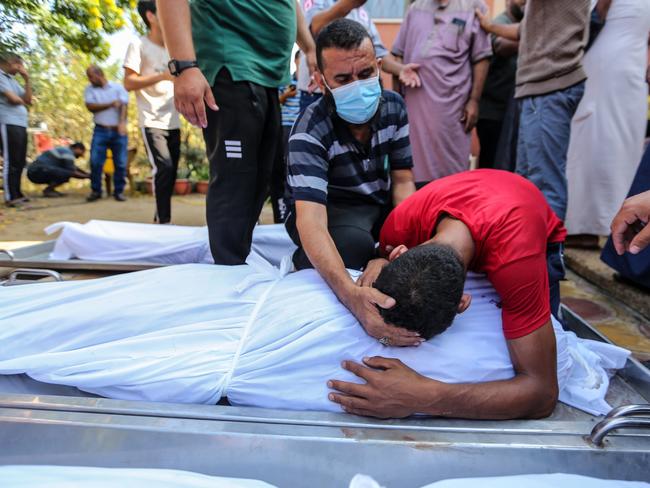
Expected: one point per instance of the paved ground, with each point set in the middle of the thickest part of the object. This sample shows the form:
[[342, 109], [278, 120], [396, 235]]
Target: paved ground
[[620, 312]]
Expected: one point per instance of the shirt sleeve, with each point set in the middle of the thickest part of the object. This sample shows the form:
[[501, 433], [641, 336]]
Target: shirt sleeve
[[481, 43], [524, 291], [4, 85], [89, 95], [122, 94], [380, 50], [400, 145], [308, 166], [133, 60]]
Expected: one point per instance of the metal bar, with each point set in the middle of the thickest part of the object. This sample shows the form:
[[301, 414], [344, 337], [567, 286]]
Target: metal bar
[[602, 429], [628, 411], [8, 253], [41, 273]]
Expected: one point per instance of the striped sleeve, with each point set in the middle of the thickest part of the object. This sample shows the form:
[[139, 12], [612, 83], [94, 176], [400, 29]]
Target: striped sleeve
[[400, 144], [308, 168]]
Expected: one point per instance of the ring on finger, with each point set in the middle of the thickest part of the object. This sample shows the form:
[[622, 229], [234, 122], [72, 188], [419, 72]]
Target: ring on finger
[[385, 341]]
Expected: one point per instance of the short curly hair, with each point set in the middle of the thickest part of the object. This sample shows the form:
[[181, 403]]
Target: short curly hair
[[427, 284]]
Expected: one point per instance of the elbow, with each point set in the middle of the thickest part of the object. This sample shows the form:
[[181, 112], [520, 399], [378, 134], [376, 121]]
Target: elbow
[[544, 401]]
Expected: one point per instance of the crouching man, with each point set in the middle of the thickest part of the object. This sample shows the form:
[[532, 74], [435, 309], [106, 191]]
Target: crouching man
[[349, 163], [57, 166], [487, 221]]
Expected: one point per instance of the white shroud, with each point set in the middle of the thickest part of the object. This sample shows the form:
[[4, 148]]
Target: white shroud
[[194, 333], [108, 241]]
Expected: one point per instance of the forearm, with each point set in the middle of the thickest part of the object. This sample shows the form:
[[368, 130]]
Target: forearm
[[304, 39], [339, 10], [602, 7], [27, 96], [175, 20], [123, 113], [479, 73], [505, 47], [98, 107], [389, 64], [138, 82], [323, 255], [507, 31], [520, 397], [13, 99]]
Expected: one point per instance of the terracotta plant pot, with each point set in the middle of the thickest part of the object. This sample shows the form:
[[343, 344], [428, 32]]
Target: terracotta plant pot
[[148, 185], [182, 187], [202, 187]]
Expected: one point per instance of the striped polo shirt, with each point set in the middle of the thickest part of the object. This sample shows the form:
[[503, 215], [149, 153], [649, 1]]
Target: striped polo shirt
[[326, 162]]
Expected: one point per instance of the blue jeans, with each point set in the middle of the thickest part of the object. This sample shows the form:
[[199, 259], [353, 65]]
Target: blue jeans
[[556, 273], [544, 130], [104, 139]]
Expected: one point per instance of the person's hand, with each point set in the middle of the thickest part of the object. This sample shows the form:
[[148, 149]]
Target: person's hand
[[396, 252], [391, 389], [470, 115], [363, 305], [630, 229], [409, 77], [371, 272], [484, 20], [22, 71], [121, 128], [192, 93], [290, 92]]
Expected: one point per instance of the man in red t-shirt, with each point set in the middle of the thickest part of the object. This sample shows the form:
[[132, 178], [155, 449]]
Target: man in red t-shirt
[[491, 222]]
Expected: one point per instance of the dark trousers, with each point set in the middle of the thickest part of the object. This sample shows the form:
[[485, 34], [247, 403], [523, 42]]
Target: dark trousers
[[279, 178], [556, 273], [488, 132], [13, 141], [105, 138], [164, 150], [241, 141], [353, 228]]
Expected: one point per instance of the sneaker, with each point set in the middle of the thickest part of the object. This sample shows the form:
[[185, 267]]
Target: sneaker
[[93, 197], [51, 193], [120, 197]]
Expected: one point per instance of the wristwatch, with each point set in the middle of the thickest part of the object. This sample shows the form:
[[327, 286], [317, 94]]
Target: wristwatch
[[176, 67]]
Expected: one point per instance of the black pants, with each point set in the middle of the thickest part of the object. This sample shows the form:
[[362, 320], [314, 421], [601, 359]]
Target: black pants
[[279, 178], [164, 150], [47, 175], [13, 141], [488, 132], [353, 228], [241, 140]]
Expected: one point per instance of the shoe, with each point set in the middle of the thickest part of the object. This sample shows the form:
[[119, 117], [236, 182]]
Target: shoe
[[93, 197], [50, 193], [120, 197], [24, 199]]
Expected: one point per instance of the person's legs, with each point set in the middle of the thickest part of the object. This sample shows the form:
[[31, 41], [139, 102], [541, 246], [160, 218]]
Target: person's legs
[[158, 144], [118, 145], [545, 127], [350, 227], [488, 134], [240, 164], [279, 177], [556, 273], [14, 154], [98, 146]]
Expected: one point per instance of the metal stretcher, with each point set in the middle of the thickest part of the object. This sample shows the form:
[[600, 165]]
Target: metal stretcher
[[37, 256], [315, 449]]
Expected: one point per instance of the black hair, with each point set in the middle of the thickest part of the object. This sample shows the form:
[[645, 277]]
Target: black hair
[[145, 6], [427, 284], [342, 34], [5, 57], [78, 145]]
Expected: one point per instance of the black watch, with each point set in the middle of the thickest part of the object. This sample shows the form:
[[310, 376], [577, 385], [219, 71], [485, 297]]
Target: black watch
[[176, 67]]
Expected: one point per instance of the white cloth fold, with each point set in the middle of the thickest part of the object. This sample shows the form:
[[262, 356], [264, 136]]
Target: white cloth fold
[[189, 334], [108, 241]]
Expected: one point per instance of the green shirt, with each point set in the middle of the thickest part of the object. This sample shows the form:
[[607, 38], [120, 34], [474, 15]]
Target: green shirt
[[251, 38]]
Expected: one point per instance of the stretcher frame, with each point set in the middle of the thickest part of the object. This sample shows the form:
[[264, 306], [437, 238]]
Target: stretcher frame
[[319, 449]]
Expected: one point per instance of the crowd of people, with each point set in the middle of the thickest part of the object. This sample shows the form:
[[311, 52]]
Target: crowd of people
[[350, 164]]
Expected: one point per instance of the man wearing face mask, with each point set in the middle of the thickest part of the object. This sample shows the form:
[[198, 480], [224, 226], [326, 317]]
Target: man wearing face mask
[[349, 163]]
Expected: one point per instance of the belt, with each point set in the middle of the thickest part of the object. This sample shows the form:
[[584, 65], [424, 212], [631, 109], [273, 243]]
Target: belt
[[109, 127]]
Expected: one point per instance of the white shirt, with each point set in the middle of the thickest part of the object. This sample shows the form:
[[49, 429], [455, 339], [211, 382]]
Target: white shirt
[[106, 94], [156, 102]]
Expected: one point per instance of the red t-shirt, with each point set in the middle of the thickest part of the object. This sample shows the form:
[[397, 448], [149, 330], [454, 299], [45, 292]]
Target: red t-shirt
[[511, 224]]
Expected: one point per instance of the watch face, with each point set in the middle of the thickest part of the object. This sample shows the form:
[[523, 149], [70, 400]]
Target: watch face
[[172, 67]]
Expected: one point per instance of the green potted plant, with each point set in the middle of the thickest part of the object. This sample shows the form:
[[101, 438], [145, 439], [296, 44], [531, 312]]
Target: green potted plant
[[202, 174]]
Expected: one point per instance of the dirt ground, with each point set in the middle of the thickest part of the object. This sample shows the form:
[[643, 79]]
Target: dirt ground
[[26, 224]]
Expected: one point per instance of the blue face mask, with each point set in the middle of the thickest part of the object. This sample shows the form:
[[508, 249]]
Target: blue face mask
[[357, 102]]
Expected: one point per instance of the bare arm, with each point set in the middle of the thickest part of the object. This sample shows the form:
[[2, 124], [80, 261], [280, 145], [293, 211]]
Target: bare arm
[[191, 90], [311, 221], [402, 185], [121, 127], [505, 47], [471, 111], [98, 107], [507, 31], [136, 81], [602, 7], [27, 96], [13, 99], [394, 390], [339, 10]]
